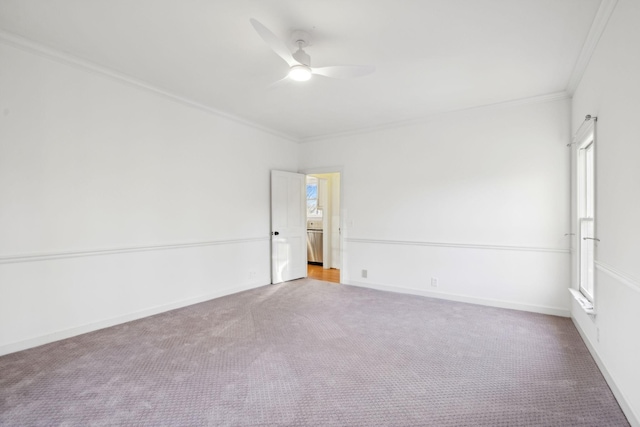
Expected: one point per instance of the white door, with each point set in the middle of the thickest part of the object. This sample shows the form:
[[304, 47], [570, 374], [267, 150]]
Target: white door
[[288, 226]]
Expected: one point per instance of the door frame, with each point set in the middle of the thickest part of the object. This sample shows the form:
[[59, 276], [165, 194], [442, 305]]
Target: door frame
[[343, 210]]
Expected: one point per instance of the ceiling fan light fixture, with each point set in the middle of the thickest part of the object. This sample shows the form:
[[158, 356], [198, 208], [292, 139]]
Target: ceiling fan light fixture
[[300, 73]]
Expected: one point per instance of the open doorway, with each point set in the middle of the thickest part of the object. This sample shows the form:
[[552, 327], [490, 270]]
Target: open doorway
[[323, 226]]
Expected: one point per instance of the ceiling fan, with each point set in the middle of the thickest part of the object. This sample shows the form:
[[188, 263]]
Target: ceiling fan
[[300, 61]]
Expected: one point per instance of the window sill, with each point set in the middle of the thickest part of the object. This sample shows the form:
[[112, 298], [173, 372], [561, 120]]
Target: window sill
[[586, 305]]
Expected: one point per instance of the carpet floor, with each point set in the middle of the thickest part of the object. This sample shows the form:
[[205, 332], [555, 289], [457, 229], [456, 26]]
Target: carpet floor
[[310, 353]]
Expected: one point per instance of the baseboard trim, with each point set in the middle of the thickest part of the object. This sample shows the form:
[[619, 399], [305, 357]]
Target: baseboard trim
[[632, 417], [553, 311], [10, 259], [94, 326], [457, 245]]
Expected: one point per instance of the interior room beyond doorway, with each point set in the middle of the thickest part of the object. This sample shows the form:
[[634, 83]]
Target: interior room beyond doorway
[[323, 226]]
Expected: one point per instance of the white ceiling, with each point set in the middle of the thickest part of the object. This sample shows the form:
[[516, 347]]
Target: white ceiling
[[431, 56]]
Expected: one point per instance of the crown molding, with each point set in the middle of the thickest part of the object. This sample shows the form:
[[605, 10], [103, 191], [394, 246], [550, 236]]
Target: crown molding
[[30, 46], [25, 44], [556, 96], [598, 26]]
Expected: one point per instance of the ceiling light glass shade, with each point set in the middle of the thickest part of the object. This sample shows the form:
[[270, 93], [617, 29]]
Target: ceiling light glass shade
[[300, 73]]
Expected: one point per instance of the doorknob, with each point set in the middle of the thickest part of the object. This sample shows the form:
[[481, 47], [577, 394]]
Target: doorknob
[[275, 233]]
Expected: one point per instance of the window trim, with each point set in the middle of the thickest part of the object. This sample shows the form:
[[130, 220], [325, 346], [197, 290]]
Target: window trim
[[586, 212]]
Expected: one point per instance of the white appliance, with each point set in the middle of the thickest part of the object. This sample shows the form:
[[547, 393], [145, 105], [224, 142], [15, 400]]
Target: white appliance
[[314, 242]]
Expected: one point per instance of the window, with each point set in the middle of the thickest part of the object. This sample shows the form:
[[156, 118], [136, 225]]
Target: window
[[312, 196], [586, 212]]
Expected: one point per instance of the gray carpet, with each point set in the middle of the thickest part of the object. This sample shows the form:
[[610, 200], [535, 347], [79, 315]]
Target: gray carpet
[[310, 353]]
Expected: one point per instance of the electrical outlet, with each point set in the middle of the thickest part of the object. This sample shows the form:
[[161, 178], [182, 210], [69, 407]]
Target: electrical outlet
[[364, 274], [598, 334], [252, 274], [434, 282]]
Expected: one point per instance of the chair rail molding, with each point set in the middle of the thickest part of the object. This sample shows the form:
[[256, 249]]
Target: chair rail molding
[[620, 276], [10, 259], [457, 245]]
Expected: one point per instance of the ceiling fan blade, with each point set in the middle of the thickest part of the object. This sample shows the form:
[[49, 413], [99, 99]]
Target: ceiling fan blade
[[344, 71], [274, 43], [280, 83]]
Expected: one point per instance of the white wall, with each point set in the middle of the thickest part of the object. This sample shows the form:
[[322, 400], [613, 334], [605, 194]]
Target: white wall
[[478, 200], [610, 89], [116, 201]]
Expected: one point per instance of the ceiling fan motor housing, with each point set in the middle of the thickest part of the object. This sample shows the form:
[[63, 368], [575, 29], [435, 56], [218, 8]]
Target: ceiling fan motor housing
[[301, 39], [302, 57]]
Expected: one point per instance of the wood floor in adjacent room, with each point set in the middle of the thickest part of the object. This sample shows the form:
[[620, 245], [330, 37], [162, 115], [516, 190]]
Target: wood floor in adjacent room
[[319, 273]]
